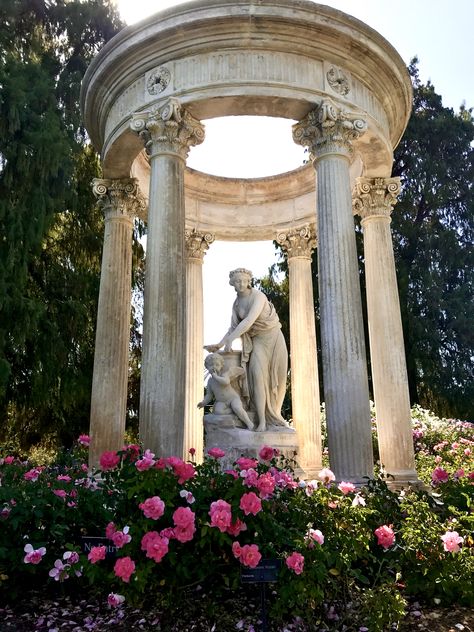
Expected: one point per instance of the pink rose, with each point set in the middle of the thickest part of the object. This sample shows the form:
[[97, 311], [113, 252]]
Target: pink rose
[[124, 568], [221, 516], [146, 462], [451, 541], [110, 529], [133, 451], [192, 451], [216, 453], [267, 453], [245, 463], [385, 536], [84, 440], [284, 479], [295, 562], [60, 493], [64, 477], [33, 556], [439, 475], [121, 538], [153, 507], [188, 496], [250, 555], [314, 535], [236, 527], [346, 488], [265, 485], [250, 504], [115, 600], [109, 460], [184, 472], [250, 477], [32, 475], [8, 460], [155, 545], [232, 473], [326, 475], [184, 529], [96, 554]]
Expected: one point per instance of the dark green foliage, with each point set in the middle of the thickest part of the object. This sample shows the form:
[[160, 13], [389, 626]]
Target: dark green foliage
[[50, 228], [433, 229], [433, 236]]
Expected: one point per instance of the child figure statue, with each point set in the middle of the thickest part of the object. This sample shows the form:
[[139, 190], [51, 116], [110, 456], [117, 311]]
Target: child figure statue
[[219, 388]]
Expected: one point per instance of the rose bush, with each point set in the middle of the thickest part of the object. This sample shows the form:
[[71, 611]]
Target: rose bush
[[171, 525]]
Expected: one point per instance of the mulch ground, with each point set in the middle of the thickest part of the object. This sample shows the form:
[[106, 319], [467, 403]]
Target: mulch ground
[[65, 614]]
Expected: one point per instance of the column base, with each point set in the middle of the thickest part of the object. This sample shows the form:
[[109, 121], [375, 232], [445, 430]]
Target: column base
[[402, 479]]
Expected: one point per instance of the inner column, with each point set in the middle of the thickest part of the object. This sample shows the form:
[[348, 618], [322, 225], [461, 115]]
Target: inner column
[[169, 132], [329, 131]]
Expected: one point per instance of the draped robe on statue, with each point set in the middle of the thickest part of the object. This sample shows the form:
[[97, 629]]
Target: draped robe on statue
[[265, 359]]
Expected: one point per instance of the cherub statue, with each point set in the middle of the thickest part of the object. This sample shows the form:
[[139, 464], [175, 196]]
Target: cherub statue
[[219, 388]]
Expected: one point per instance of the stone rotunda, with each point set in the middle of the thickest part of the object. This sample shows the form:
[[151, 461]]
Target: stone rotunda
[[143, 99]]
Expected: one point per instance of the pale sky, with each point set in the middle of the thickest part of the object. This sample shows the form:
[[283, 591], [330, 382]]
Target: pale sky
[[438, 32]]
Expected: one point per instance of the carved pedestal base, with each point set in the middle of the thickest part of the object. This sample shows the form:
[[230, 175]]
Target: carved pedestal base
[[237, 441]]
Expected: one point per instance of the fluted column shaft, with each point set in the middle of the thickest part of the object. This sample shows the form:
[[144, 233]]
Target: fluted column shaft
[[299, 244], [374, 199], [196, 247], [329, 133], [120, 202], [169, 131]]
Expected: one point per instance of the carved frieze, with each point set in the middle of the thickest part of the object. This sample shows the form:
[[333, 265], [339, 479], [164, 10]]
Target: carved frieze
[[375, 197]]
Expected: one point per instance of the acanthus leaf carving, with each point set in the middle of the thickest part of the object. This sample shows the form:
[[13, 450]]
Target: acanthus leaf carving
[[375, 197], [329, 129]]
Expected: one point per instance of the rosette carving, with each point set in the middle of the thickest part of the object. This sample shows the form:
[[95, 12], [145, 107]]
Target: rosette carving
[[375, 197], [119, 197], [168, 128], [197, 244], [298, 242], [329, 129], [338, 81]]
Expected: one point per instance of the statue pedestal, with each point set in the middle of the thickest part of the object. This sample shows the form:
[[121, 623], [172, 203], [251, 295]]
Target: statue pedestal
[[225, 432]]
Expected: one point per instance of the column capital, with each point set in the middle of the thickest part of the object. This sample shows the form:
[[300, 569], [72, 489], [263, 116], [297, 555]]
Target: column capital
[[375, 197], [168, 129], [329, 129], [197, 244], [119, 198], [298, 242]]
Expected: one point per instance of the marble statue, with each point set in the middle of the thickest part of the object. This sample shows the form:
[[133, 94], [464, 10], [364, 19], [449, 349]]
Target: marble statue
[[264, 353], [220, 389]]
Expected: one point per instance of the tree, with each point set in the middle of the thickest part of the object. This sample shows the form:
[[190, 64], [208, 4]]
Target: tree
[[50, 226], [433, 229]]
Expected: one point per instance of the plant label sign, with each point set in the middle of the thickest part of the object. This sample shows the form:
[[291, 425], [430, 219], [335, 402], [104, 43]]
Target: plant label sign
[[265, 572], [88, 541]]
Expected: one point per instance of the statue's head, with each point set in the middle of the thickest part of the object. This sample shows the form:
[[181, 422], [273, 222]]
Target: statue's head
[[214, 362], [238, 274]]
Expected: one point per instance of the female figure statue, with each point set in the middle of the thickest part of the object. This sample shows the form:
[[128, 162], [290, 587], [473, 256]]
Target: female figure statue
[[264, 353]]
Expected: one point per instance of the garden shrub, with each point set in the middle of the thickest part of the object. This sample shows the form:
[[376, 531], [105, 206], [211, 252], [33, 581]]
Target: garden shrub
[[347, 554]]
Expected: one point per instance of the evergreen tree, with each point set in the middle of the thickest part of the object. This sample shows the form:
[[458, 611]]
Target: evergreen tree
[[50, 227], [433, 231]]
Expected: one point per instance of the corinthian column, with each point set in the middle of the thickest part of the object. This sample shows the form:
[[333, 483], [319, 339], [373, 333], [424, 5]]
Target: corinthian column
[[328, 132], [169, 132], [299, 244], [120, 202], [196, 247], [373, 201]]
